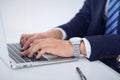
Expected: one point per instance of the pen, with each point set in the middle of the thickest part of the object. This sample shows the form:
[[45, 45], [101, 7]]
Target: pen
[[82, 76]]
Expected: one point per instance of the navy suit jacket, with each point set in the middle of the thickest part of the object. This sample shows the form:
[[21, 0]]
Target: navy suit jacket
[[89, 22]]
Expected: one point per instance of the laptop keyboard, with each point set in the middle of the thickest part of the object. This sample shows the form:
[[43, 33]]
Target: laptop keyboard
[[15, 53]]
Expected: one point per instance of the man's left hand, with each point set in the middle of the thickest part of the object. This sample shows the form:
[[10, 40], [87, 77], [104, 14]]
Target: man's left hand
[[56, 47]]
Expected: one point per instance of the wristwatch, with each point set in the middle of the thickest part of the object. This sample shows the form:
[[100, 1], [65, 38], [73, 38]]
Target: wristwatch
[[75, 41]]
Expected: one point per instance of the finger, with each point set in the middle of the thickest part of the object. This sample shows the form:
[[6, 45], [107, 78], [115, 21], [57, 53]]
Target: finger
[[23, 39], [33, 49], [40, 53], [46, 50], [27, 44], [25, 53]]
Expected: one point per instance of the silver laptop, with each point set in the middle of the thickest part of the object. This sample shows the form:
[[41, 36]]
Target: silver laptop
[[10, 54]]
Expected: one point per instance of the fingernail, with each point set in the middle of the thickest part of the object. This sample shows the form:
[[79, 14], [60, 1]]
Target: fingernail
[[37, 57], [22, 55], [29, 56], [22, 48]]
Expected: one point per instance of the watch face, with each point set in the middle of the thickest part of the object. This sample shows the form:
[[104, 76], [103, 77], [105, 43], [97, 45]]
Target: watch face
[[75, 39]]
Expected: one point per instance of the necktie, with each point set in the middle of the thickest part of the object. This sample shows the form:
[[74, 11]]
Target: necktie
[[111, 28], [112, 17]]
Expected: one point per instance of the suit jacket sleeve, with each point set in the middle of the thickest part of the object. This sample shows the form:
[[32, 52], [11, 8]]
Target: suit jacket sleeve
[[103, 45], [78, 26]]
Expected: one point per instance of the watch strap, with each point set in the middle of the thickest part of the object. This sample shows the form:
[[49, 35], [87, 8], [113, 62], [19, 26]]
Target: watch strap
[[76, 46]]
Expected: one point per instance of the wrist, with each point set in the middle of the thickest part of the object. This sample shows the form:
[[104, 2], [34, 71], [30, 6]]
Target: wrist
[[76, 41], [55, 33]]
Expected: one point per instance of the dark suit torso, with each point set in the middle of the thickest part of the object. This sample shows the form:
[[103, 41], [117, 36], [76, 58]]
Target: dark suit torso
[[90, 23]]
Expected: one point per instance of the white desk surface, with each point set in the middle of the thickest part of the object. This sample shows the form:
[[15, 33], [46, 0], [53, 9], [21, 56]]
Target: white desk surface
[[64, 71]]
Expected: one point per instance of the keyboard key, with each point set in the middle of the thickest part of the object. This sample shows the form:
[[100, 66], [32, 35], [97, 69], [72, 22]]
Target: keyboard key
[[15, 54]]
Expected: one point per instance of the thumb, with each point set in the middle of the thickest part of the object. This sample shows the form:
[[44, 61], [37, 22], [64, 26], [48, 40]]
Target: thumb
[[40, 53]]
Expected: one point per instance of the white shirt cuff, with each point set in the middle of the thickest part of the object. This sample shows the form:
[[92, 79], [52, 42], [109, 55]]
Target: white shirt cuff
[[88, 47], [63, 33]]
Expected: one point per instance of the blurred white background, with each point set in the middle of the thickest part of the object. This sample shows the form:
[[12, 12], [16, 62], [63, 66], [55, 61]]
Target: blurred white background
[[30, 16]]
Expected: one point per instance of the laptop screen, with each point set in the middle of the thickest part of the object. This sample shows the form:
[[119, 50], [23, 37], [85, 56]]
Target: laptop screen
[[3, 48]]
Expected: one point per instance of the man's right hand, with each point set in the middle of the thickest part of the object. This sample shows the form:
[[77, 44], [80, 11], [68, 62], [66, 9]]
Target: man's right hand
[[27, 39], [24, 38]]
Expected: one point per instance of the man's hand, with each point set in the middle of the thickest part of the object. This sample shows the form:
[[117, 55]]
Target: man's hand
[[27, 39], [56, 47]]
